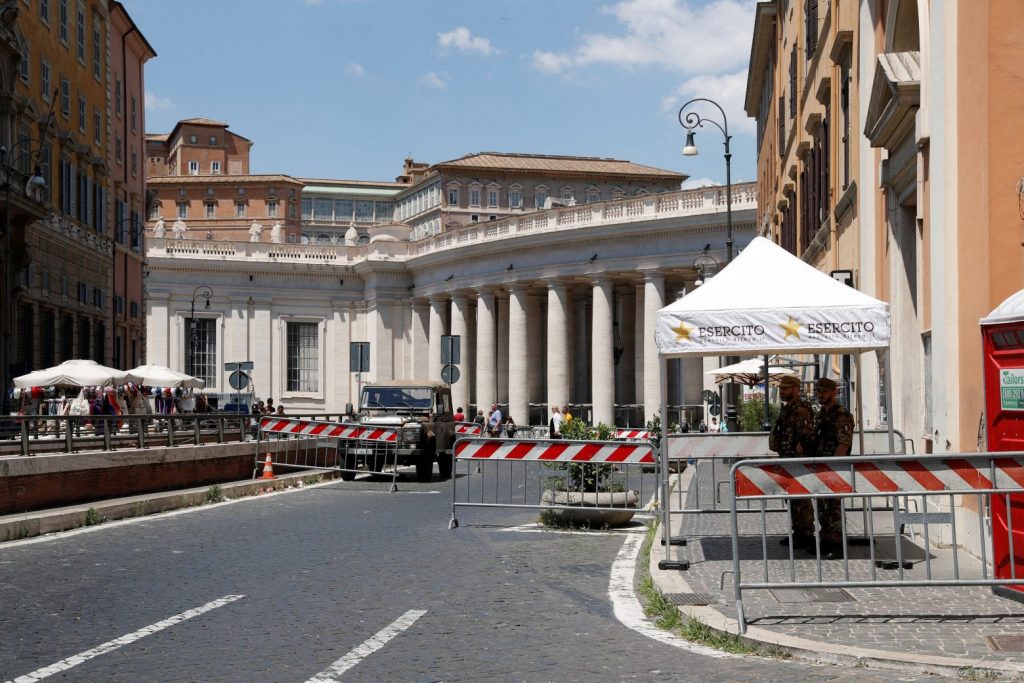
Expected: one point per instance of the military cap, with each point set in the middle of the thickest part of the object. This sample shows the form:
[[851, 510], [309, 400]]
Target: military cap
[[826, 383], [789, 381]]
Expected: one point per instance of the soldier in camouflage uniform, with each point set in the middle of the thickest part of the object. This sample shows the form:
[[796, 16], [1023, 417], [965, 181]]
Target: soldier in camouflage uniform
[[833, 437], [792, 436]]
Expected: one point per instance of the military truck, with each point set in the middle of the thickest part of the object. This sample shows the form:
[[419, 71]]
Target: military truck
[[422, 413]]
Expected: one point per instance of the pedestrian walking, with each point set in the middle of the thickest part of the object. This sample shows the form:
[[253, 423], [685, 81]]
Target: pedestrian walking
[[714, 427], [495, 421], [510, 427], [479, 419], [270, 406], [792, 436], [280, 411], [459, 415], [833, 437], [555, 424], [702, 427]]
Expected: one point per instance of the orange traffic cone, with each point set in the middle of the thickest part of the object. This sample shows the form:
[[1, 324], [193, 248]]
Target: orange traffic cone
[[268, 468]]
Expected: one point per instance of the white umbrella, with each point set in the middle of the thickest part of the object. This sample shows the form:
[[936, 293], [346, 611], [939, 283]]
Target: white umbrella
[[750, 372], [160, 376], [74, 373]]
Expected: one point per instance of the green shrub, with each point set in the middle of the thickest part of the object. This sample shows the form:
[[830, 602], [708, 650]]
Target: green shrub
[[581, 476], [750, 413]]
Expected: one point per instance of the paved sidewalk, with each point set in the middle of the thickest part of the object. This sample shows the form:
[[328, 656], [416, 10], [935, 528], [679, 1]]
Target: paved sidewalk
[[944, 630]]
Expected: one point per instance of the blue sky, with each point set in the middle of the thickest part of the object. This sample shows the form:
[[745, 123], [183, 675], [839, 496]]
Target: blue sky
[[348, 88]]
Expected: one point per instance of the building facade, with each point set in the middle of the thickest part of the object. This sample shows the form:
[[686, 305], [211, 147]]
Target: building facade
[[551, 306], [890, 149], [66, 66]]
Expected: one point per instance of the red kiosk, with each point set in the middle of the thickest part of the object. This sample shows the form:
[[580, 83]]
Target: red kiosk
[[1003, 339]]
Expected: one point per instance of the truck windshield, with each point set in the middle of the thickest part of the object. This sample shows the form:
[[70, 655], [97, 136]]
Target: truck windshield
[[417, 398]]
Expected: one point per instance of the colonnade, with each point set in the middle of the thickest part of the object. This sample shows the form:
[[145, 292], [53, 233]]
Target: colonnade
[[562, 341]]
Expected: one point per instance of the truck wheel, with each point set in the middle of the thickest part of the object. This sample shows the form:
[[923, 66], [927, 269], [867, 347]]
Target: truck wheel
[[425, 464], [444, 465]]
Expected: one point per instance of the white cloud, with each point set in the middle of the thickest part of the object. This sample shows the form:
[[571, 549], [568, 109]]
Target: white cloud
[[551, 62], [354, 69], [694, 183], [154, 103], [729, 90], [461, 39], [432, 80]]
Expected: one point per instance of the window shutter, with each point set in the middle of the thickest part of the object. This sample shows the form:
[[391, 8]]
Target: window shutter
[[792, 82], [782, 125], [811, 14]]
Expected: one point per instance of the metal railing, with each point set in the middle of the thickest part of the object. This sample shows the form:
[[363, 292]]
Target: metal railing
[[568, 479], [817, 492]]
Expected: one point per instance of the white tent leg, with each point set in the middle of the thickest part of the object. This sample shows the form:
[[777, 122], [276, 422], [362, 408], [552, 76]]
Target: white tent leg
[[860, 402], [666, 517], [887, 369]]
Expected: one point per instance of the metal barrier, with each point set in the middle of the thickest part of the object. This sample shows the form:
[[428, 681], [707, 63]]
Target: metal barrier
[[31, 434], [347, 448], [468, 428], [627, 434], [554, 476], [826, 485]]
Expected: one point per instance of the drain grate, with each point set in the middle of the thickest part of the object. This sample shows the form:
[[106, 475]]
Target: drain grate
[[807, 595], [691, 598], [1006, 643]]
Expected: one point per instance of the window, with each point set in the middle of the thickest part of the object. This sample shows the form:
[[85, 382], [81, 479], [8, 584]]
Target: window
[[272, 209], [811, 26], [117, 149], [307, 209], [182, 210], [134, 114], [593, 195], [211, 210], [81, 113], [792, 82], [117, 98], [24, 65], [97, 297], [540, 197], [474, 218], [63, 21], [193, 168], [133, 308], [192, 140], [84, 336], [492, 198], [240, 209], [81, 33], [567, 194], [303, 357], [44, 79], [515, 199], [97, 124], [215, 167], [201, 349], [44, 11], [384, 211], [97, 61], [343, 210], [453, 196], [364, 211], [135, 162], [474, 196], [213, 141]]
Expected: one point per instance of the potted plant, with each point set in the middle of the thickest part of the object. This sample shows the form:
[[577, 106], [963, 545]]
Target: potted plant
[[577, 488]]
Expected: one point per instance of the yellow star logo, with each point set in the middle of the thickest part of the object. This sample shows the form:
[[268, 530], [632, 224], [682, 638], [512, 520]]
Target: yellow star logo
[[682, 331], [791, 328]]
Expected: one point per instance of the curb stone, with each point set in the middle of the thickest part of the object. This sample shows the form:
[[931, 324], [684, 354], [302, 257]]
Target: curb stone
[[40, 522], [820, 652]]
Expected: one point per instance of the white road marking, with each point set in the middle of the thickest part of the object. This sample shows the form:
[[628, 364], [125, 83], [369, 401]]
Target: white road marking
[[370, 645], [627, 606], [110, 645], [537, 528]]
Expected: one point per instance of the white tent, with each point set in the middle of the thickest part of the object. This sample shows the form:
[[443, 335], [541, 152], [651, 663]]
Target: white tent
[[74, 373], [160, 376], [769, 301]]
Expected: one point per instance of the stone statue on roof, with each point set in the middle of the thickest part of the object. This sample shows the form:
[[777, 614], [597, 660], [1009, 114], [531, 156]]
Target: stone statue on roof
[[179, 229], [158, 228], [277, 233], [255, 231], [351, 235]]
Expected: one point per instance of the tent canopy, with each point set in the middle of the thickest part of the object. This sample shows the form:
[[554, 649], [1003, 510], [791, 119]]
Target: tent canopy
[[160, 376], [1010, 311], [750, 372], [769, 301], [74, 373]]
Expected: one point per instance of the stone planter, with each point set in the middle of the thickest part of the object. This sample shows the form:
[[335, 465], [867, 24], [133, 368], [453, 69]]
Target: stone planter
[[582, 507]]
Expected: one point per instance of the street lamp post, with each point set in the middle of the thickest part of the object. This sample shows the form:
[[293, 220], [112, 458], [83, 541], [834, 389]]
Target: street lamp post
[[35, 181], [692, 121], [200, 292]]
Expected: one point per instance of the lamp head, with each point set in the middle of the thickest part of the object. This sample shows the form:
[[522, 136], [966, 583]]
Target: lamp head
[[690, 149], [37, 179], [207, 303]]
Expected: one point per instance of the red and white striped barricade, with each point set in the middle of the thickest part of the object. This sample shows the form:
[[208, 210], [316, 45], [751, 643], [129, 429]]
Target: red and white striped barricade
[[468, 429], [556, 476], [349, 448], [627, 434], [927, 492]]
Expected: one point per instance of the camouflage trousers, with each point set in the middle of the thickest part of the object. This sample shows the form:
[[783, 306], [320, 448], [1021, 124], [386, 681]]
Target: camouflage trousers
[[829, 519]]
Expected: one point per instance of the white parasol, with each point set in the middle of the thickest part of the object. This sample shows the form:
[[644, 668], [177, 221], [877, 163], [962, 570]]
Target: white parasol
[[74, 373], [750, 372], [160, 376]]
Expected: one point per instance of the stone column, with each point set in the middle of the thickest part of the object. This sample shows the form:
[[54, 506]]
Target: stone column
[[501, 306], [625, 384], [438, 309], [638, 345], [518, 369], [654, 300], [418, 362], [602, 372], [536, 375], [460, 313], [558, 346], [486, 385]]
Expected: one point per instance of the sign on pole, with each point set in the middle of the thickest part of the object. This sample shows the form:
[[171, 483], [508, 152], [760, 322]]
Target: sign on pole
[[451, 349], [359, 357]]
